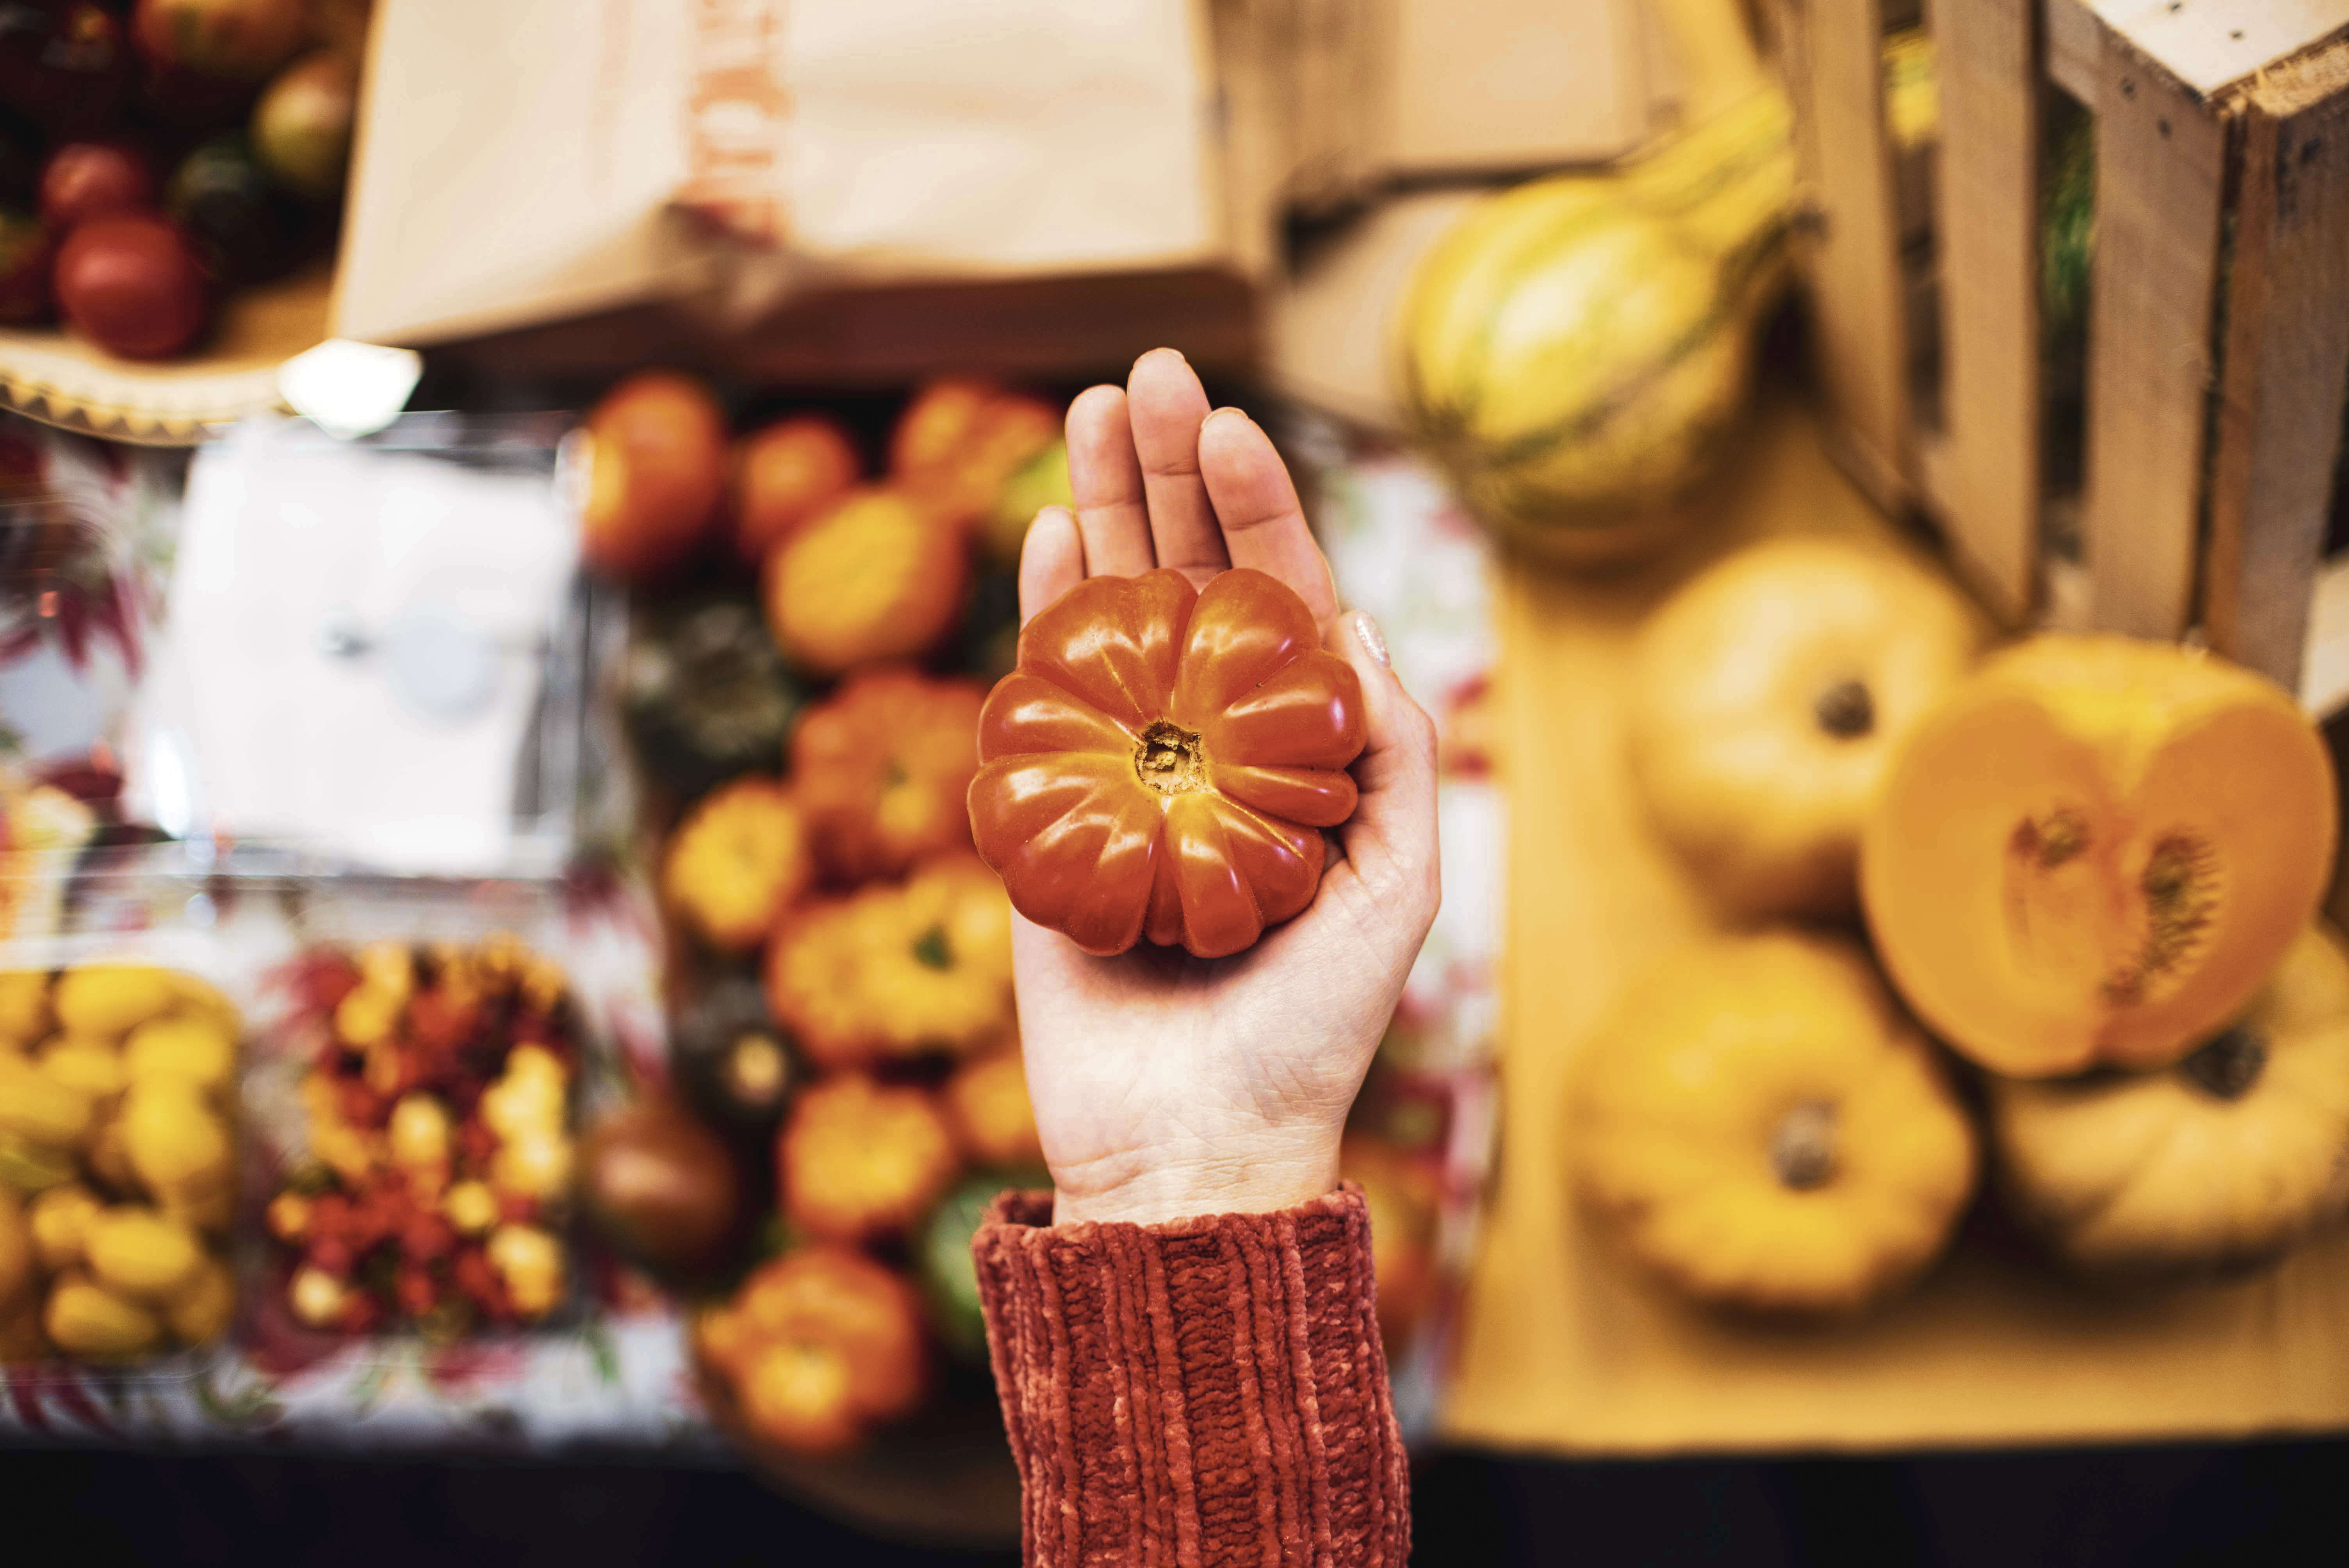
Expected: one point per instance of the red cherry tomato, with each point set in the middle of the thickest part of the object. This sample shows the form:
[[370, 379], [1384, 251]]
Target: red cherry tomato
[[1161, 762], [131, 283], [92, 179]]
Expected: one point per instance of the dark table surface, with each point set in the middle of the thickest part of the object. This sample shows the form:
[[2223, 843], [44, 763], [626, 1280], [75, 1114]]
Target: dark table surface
[[2272, 1505]]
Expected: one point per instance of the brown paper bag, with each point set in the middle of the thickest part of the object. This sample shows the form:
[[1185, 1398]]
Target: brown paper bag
[[541, 159]]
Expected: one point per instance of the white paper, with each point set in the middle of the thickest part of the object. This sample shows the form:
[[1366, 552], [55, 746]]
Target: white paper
[[354, 653]]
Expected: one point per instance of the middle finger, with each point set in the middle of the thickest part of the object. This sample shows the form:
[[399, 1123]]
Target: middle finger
[[1105, 477], [1165, 402]]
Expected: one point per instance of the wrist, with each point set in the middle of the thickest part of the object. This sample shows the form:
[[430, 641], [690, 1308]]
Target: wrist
[[1240, 1176]]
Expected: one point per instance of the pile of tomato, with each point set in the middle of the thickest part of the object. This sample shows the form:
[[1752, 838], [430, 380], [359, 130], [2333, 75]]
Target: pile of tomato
[[812, 647], [152, 156], [431, 1186]]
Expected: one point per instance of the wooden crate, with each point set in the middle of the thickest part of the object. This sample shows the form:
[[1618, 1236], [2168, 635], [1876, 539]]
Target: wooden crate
[[2221, 267]]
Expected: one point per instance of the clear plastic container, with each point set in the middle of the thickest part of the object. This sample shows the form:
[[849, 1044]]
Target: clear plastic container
[[372, 1150], [119, 1032], [380, 654]]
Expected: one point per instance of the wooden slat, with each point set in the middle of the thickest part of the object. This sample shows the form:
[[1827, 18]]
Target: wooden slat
[[1834, 68], [1988, 215], [2287, 369], [2161, 169], [2075, 48], [2207, 44]]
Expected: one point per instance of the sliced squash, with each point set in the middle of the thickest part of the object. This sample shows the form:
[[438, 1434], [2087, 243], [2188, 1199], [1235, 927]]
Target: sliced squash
[[2095, 850]]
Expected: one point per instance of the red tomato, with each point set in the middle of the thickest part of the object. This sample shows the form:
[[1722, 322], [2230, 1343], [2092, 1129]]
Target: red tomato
[[656, 471], [237, 40], [785, 475], [131, 283], [1161, 762], [91, 178]]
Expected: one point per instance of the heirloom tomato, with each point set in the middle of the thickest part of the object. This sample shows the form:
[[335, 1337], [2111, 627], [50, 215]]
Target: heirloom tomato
[[1163, 761]]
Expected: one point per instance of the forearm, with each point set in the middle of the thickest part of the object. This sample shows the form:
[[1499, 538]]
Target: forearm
[[1205, 1390]]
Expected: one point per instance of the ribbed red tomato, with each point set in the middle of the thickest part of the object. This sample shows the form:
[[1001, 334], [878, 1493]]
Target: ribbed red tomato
[[1163, 761]]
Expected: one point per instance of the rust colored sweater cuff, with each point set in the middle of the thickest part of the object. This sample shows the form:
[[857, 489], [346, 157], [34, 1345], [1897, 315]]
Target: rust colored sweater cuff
[[1205, 1391]]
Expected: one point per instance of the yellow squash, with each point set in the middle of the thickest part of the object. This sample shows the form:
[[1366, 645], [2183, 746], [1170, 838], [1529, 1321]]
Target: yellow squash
[[1766, 698], [1574, 350], [2220, 1161], [1768, 1130]]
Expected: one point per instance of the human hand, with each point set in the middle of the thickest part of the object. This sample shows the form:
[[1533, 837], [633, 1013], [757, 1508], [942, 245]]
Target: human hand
[[1166, 1085]]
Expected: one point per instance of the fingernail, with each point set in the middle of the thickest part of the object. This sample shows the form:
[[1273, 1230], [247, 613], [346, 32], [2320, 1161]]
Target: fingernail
[[1216, 413], [1162, 349], [1374, 641]]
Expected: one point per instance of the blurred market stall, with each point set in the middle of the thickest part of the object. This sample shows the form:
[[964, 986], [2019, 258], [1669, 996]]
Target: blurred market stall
[[493, 950]]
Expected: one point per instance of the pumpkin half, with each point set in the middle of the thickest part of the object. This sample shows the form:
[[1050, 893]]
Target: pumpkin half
[[2219, 1162], [1767, 697], [1767, 1129], [2094, 851]]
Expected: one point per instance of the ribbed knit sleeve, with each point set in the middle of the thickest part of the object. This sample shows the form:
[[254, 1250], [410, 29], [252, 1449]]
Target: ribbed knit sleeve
[[1205, 1392]]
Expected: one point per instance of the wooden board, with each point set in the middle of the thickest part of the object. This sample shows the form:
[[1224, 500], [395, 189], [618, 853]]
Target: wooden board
[[2287, 369], [2209, 43], [1568, 1349], [1503, 86], [1987, 474], [2160, 169]]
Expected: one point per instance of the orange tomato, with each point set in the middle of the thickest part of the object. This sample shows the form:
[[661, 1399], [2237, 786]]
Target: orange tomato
[[882, 769], [786, 474], [878, 577], [656, 470]]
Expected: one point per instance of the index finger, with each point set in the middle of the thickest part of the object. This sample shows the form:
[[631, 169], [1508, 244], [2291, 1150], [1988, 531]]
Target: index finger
[[1262, 523]]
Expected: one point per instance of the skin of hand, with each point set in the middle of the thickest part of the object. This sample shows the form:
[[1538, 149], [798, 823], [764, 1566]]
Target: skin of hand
[[1165, 1085]]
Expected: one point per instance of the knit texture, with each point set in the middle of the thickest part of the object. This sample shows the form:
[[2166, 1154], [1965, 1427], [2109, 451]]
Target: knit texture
[[1205, 1392]]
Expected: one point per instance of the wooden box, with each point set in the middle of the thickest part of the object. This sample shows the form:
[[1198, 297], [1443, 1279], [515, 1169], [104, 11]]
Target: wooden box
[[2217, 332]]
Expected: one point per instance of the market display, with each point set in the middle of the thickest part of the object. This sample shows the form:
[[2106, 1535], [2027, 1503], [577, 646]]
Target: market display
[[157, 160], [2088, 863], [1766, 1128], [844, 1054], [2095, 850], [1161, 762], [116, 1162], [433, 1175], [1575, 351], [2219, 1162], [1767, 699]]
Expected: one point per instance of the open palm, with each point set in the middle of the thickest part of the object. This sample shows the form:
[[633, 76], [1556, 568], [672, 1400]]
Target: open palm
[[1166, 1085]]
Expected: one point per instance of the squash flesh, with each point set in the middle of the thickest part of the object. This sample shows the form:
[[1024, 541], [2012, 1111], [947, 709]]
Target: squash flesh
[[2095, 852]]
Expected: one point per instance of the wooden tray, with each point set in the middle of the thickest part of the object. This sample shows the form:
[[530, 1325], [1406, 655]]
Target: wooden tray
[[1566, 1349], [63, 380]]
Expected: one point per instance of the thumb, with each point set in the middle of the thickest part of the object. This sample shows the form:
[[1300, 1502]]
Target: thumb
[[1391, 837]]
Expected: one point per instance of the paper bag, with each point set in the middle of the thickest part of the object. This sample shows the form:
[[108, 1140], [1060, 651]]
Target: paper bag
[[535, 160]]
